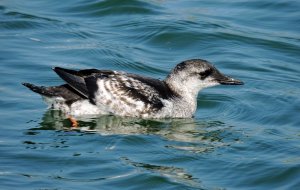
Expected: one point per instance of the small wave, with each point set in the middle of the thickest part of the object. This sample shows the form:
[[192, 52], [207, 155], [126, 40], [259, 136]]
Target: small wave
[[116, 7]]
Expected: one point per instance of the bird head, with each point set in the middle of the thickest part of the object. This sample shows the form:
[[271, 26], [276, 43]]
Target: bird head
[[193, 75]]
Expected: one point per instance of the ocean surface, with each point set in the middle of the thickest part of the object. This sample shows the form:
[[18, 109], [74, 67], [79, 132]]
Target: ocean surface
[[242, 137]]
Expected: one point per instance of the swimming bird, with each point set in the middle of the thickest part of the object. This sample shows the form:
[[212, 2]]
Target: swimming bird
[[100, 92]]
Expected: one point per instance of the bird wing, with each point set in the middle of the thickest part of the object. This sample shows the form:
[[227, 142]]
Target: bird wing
[[75, 78], [126, 89], [117, 90]]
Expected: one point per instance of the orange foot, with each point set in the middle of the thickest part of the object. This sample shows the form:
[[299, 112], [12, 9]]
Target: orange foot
[[73, 122]]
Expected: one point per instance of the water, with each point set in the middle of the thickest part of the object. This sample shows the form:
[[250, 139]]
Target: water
[[242, 137]]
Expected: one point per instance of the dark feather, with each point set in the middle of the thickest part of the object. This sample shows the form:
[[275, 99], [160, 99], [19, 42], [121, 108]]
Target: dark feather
[[92, 87], [64, 91], [74, 79], [160, 86]]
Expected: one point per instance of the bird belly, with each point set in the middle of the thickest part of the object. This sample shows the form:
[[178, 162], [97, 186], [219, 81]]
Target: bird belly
[[120, 107], [57, 103], [78, 108], [84, 107]]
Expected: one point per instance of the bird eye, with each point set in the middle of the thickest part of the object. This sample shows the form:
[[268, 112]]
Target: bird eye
[[205, 74]]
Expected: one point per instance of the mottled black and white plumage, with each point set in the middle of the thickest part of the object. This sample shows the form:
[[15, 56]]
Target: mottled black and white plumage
[[92, 91]]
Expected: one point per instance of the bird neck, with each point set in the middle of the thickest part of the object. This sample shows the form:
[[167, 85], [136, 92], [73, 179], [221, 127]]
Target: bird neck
[[185, 104], [187, 90]]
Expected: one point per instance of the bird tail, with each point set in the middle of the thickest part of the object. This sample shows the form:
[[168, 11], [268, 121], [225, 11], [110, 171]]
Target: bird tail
[[42, 90]]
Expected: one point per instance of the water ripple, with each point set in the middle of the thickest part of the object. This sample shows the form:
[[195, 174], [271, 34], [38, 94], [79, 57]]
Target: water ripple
[[244, 137], [117, 7]]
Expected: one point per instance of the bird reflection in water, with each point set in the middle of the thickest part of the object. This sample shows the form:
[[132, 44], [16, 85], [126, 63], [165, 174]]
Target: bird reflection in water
[[185, 134], [188, 135]]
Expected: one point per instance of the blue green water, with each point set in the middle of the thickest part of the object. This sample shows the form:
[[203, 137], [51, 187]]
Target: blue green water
[[242, 137]]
